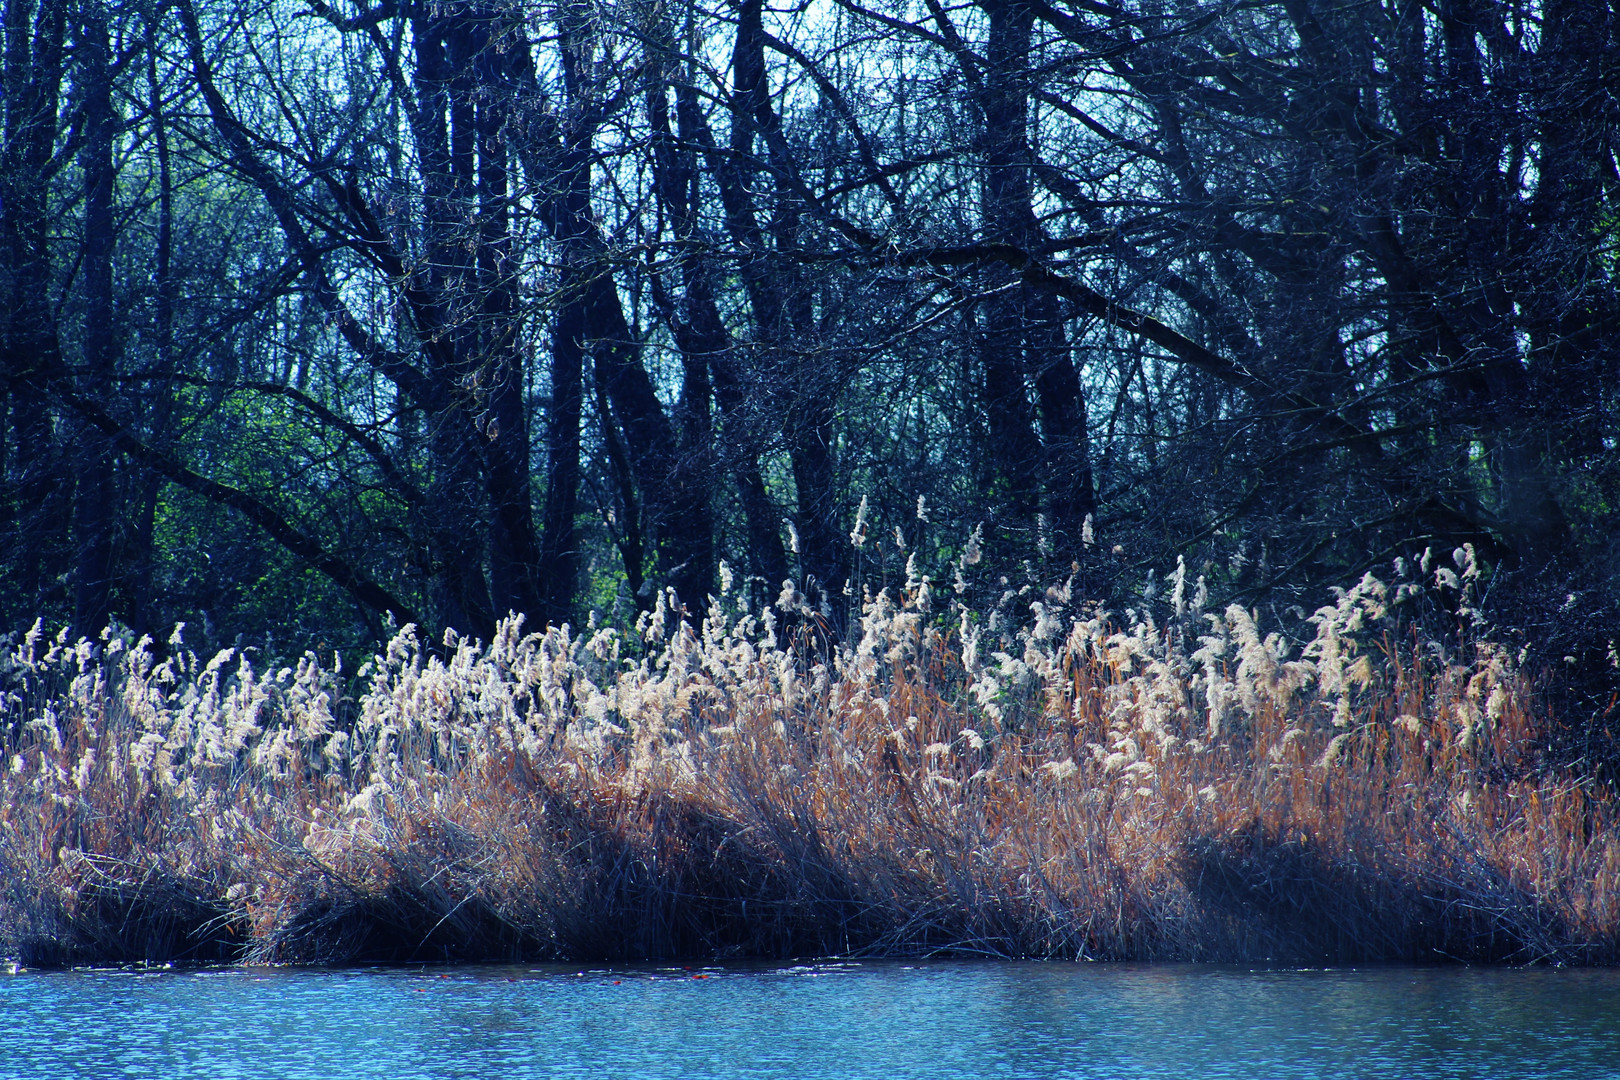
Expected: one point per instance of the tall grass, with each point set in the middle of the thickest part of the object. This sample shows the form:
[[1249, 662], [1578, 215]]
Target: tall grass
[[1172, 783]]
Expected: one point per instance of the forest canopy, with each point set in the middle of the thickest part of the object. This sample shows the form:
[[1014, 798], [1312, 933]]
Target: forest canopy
[[320, 316]]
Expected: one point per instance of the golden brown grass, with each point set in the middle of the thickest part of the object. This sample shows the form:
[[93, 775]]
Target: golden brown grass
[[1071, 787]]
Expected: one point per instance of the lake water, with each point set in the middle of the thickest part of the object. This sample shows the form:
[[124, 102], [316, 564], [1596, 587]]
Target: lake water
[[884, 1020]]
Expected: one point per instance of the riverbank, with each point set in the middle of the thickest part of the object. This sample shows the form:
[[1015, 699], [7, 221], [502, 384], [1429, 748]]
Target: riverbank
[[1073, 784]]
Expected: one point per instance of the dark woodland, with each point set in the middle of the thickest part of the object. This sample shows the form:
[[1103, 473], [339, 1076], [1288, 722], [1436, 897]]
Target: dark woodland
[[316, 316]]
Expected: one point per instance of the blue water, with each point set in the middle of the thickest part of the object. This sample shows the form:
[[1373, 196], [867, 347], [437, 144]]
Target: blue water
[[886, 1020]]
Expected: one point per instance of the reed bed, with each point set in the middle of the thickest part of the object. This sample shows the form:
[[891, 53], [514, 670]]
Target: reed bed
[[1164, 783]]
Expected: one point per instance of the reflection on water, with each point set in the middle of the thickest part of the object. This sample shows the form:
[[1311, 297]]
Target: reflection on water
[[825, 1020]]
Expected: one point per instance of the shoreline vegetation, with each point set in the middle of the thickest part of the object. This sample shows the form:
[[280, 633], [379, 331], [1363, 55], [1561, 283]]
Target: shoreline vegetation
[[1045, 779]]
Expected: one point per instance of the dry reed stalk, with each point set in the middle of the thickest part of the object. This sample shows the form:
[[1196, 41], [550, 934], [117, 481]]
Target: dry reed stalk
[[1071, 787]]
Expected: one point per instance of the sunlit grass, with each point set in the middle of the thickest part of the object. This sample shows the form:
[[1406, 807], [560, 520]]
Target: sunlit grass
[[1071, 784]]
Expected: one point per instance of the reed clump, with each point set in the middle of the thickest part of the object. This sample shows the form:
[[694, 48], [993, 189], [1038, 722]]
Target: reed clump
[[1170, 783]]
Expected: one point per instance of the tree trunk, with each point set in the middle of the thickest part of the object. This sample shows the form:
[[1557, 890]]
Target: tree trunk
[[455, 521], [95, 493], [1024, 336], [514, 547], [29, 352], [706, 334], [804, 384], [142, 553]]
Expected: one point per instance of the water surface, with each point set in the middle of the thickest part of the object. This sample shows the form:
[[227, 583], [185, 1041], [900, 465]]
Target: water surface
[[888, 1020]]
